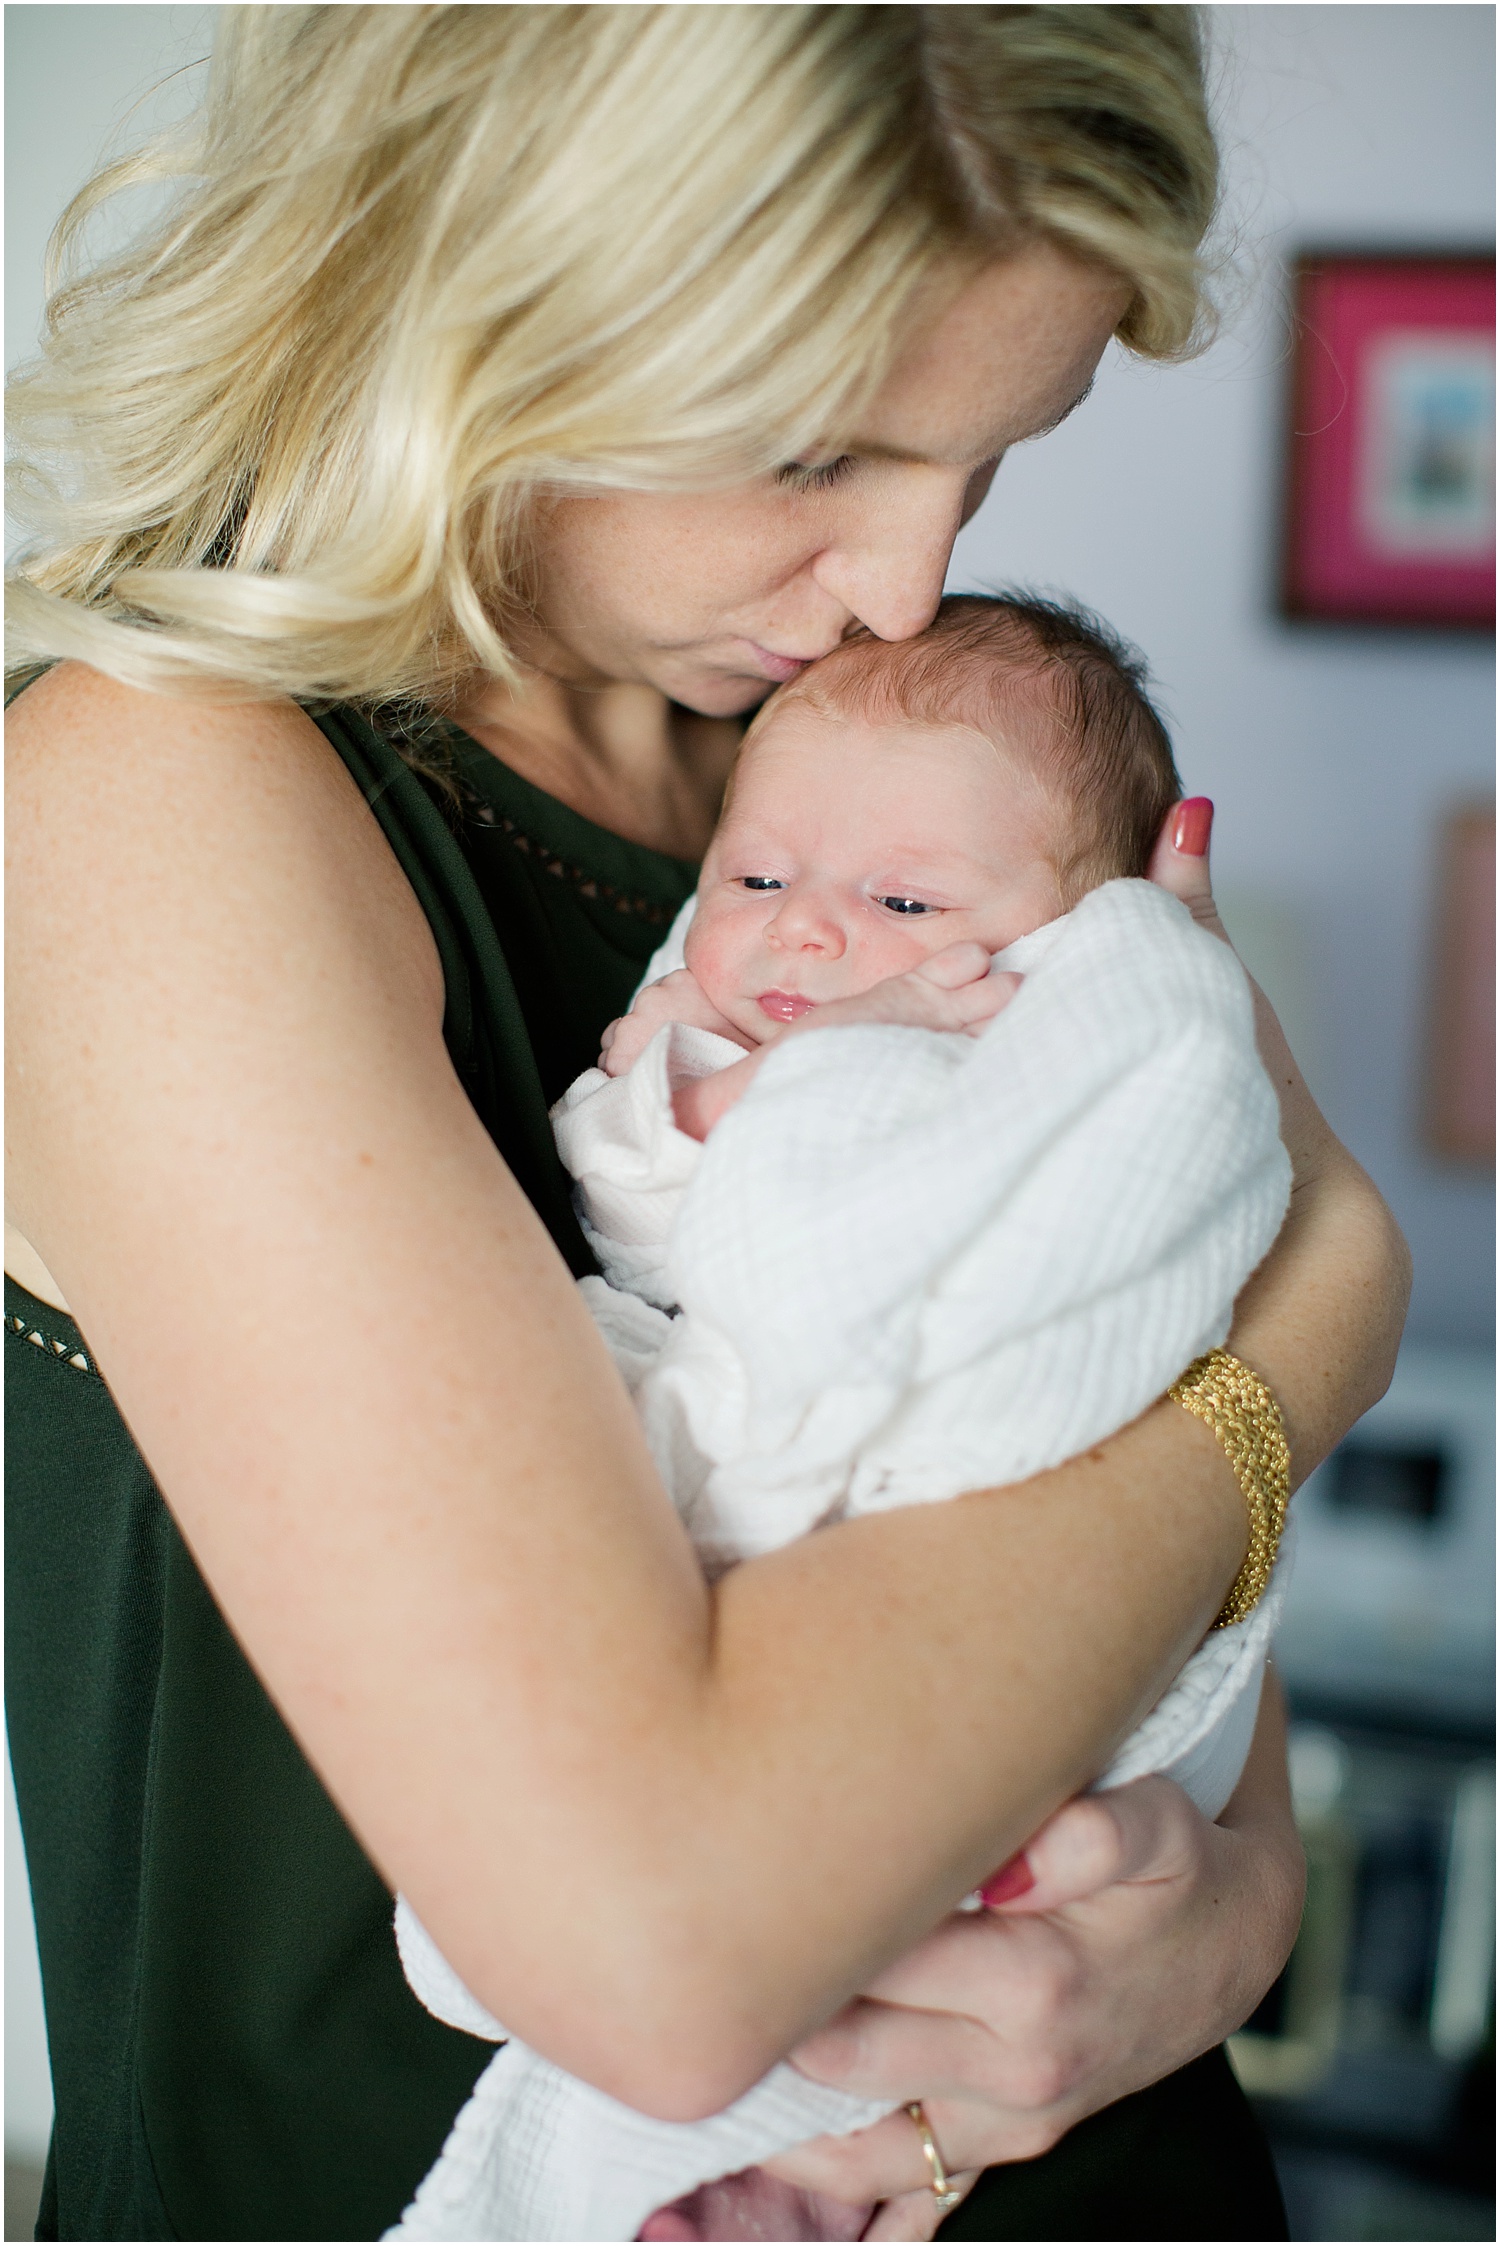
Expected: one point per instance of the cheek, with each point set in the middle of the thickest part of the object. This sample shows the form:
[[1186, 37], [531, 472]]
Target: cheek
[[669, 562], [717, 944], [887, 944]]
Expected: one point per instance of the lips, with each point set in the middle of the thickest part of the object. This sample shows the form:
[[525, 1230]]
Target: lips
[[784, 1005], [778, 667]]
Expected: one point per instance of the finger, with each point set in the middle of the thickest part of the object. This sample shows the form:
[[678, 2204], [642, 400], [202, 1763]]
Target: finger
[[1079, 1850], [916, 2214], [899, 2051], [974, 1962], [981, 1002], [955, 965], [888, 2161], [1180, 861], [667, 2223], [1147, 1831]]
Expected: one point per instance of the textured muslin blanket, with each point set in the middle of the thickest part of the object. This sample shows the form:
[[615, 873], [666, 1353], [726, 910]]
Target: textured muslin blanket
[[906, 1265]]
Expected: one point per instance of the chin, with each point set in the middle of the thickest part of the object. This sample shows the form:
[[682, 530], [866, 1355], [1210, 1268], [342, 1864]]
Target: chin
[[718, 693]]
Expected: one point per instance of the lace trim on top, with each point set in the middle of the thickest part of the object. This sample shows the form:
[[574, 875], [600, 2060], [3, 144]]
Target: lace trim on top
[[52, 1347], [479, 811]]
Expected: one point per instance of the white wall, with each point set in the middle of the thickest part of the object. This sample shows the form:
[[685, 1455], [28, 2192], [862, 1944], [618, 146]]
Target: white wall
[[80, 83], [1332, 754]]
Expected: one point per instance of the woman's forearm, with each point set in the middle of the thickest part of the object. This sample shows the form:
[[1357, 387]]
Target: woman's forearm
[[1269, 1896], [1321, 1320]]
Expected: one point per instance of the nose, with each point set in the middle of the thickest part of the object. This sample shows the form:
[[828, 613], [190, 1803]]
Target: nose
[[807, 921], [887, 563]]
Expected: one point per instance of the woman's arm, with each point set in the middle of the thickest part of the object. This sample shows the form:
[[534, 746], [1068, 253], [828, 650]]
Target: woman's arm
[[663, 1832]]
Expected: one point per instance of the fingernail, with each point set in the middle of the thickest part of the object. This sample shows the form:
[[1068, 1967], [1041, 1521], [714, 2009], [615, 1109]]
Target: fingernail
[[1193, 826], [1013, 1878]]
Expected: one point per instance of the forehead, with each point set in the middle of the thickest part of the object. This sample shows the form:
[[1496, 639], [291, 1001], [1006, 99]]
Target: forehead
[[817, 773], [1004, 358]]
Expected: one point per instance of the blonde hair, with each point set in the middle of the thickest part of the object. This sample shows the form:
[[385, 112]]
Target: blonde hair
[[427, 263], [1100, 749]]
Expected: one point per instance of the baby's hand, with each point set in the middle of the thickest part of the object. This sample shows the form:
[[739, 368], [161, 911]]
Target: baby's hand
[[676, 998], [756, 2205], [953, 990]]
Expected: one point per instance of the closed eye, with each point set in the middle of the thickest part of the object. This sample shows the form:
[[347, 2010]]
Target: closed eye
[[910, 905], [805, 475]]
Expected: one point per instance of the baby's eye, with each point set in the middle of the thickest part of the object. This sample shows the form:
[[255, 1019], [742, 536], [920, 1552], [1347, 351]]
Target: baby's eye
[[904, 904], [760, 881]]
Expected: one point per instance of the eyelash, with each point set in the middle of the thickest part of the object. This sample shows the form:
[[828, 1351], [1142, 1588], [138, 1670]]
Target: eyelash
[[805, 476], [907, 908]]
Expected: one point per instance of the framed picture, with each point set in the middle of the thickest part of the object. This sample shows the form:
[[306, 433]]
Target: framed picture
[[1390, 501], [1460, 1076]]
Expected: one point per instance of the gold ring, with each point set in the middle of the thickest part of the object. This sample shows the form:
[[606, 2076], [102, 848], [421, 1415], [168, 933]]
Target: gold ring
[[937, 2175]]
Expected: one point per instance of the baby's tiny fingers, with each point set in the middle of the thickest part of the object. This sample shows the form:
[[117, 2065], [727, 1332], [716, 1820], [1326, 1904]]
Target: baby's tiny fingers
[[977, 1004], [956, 965]]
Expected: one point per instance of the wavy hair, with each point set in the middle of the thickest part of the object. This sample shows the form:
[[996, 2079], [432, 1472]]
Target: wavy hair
[[422, 264]]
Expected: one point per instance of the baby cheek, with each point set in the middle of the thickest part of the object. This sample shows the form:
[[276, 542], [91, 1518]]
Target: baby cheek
[[715, 949], [893, 944]]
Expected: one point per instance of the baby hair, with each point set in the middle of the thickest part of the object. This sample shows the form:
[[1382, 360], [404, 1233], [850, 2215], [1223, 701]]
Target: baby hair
[[425, 266], [1048, 680]]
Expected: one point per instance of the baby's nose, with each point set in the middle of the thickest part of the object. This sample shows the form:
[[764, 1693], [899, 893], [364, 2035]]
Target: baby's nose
[[806, 923]]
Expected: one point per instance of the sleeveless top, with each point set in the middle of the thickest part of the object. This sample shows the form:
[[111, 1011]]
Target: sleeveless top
[[234, 2051]]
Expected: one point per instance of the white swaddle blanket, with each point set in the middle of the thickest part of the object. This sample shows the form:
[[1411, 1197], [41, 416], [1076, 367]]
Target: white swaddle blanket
[[907, 1264]]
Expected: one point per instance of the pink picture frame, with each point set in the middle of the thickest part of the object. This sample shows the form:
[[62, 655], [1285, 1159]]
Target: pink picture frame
[[1390, 462]]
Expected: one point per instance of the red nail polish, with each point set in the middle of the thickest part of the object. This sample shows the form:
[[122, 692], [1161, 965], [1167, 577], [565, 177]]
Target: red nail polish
[[1013, 1879], [1192, 826]]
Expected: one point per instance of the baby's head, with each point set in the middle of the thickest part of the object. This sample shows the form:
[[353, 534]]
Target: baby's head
[[896, 798]]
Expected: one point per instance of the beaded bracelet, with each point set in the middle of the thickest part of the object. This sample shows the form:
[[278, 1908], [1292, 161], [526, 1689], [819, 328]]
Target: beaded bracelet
[[1244, 1415]]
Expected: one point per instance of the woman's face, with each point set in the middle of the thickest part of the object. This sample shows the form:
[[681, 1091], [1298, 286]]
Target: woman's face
[[714, 598]]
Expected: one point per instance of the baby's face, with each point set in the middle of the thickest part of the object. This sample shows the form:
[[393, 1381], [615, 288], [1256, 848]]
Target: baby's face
[[851, 852]]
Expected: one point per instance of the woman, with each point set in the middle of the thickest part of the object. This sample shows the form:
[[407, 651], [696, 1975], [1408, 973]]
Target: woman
[[572, 375]]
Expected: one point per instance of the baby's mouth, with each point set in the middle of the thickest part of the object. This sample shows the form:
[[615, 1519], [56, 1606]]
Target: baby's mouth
[[784, 1005]]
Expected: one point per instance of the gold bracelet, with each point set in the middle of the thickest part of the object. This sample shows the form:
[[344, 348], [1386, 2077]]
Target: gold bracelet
[[1243, 1413]]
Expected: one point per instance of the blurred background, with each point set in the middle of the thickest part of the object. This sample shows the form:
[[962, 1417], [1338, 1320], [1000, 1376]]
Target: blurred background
[[1352, 770]]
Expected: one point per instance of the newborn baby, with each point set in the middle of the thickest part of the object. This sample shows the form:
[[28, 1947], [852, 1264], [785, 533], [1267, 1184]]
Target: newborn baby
[[980, 1227]]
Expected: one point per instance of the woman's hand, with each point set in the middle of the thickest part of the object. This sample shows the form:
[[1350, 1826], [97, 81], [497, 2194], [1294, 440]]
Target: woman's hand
[[1146, 1936]]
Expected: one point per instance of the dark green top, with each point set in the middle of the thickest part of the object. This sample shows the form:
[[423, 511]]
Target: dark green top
[[234, 2051]]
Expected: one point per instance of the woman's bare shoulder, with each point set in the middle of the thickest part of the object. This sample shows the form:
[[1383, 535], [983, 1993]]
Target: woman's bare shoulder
[[123, 801], [196, 891]]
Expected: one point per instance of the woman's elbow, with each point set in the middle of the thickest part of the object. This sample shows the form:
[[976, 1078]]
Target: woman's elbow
[[667, 2061], [667, 2025]]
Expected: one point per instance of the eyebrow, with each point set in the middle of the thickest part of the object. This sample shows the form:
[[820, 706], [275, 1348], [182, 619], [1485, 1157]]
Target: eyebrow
[[874, 451]]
